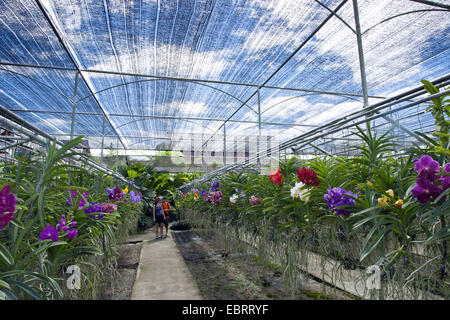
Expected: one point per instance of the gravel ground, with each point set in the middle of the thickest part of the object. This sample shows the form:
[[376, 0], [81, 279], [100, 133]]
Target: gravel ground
[[219, 275], [121, 286], [234, 276]]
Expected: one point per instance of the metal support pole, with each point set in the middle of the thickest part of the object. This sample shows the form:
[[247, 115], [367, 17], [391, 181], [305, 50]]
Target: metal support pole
[[363, 74], [259, 125], [117, 153], [11, 138], [361, 54], [224, 144], [259, 112], [74, 106], [103, 140]]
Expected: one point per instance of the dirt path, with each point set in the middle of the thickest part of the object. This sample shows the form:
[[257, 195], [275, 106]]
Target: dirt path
[[237, 276]]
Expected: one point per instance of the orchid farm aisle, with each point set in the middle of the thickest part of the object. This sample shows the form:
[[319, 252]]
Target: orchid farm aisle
[[162, 274], [308, 138]]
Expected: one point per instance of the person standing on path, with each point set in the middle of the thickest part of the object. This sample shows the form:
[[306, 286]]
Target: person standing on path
[[167, 209], [158, 217]]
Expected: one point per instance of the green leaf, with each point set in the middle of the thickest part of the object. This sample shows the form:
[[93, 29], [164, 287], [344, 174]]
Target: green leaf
[[49, 281], [429, 87], [369, 235], [7, 257], [77, 251], [426, 137], [8, 295], [408, 192], [374, 243], [363, 221], [22, 234], [440, 210], [25, 288], [33, 255], [4, 284], [41, 209]]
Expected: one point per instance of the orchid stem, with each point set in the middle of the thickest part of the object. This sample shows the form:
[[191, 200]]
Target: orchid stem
[[444, 250]]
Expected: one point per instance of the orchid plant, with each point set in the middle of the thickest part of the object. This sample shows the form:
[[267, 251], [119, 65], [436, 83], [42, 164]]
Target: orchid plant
[[47, 207], [385, 204]]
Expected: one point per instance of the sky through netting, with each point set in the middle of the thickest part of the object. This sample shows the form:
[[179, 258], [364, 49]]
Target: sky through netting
[[219, 46]]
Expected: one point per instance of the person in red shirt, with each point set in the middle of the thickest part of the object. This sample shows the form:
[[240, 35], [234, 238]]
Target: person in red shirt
[[166, 209]]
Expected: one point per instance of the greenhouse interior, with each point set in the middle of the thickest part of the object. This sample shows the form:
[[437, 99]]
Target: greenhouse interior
[[259, 149]]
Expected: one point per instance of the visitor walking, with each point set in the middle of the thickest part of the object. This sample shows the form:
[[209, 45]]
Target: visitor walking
[[166, 209], [158, 217]]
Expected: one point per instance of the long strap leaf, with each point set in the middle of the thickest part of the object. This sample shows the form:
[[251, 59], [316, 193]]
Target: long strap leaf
[[6, 255]]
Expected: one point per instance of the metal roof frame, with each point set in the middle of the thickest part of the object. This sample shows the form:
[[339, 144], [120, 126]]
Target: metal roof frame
[[369, 111]]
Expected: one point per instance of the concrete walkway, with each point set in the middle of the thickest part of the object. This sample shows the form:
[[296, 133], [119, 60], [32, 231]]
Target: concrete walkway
[[162, 273]]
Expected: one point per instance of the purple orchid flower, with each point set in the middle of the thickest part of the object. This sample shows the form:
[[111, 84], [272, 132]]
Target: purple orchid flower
[[134, 197], [427, 168], [336, 197], [446, 179], [254, 201], [49, 233], [424, 190], [72, 234], [7, 204]]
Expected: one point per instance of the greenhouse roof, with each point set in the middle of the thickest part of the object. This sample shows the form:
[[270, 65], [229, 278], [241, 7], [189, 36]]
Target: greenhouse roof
[[145, 71]]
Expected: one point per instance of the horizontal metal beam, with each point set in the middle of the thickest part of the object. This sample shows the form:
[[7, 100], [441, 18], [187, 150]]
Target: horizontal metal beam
[[344, 137], [185, 79], [433, 4], [397, 124], [15, 144], [132, 136], [165, 117], [338, 123], [400, 15], [36, 135], [12, 138], [307, 140]]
